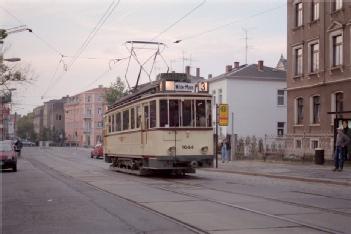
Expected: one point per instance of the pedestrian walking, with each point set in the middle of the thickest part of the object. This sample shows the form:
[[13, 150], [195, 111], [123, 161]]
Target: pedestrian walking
[[347, 131], [341, 141], [223, 151]]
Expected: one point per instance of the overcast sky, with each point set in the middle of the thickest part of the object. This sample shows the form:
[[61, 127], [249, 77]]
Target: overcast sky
[[65, 24]]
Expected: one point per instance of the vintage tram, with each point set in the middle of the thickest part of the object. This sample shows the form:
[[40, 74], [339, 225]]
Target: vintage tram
[[162, 126]]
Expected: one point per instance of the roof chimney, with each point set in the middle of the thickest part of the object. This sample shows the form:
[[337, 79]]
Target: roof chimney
[[260, 65], [197, 72], [236, 65], [209, 76], [187, 70], [100, 86], [228, 68]]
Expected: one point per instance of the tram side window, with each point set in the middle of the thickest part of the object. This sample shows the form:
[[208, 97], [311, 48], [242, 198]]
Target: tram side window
[[163, 113], [188, 113], [152, 114], [113, 123], [174, 113], [138, 116], [146, 117], [209, 113], [125, 120], [109, 123], [118, 121], [200, 113], [132, 118]]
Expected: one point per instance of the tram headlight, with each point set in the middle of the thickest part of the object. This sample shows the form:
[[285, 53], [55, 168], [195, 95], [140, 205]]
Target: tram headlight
[[171, 150], [204, 150]]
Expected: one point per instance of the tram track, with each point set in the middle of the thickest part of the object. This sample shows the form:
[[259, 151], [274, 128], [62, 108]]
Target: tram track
[[168, 183], [63, 178], [302, 224], [270, 199]]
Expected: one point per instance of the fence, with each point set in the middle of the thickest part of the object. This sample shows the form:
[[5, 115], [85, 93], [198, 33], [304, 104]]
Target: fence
[[281, 147]]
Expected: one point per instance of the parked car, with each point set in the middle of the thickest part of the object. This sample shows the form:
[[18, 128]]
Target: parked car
[[8, 156], [28, 143], [97, 151]]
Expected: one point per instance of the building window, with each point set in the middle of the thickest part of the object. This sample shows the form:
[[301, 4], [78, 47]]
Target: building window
[[314, 57], [99, 124], [316, 110], [280, 128], [298, 61], [339, 104], [315, 10], [220, 96], [337, 50], [99, 111], [299, 111], [281, 97], [337, 5], [314, 144], [298, 144], [298, 14], [88, 99], [214, 97]]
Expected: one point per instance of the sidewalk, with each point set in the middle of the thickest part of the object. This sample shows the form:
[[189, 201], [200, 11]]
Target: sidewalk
[[307, 172]]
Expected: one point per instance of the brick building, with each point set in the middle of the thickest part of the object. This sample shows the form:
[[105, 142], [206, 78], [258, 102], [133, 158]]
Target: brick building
[[319, 72]]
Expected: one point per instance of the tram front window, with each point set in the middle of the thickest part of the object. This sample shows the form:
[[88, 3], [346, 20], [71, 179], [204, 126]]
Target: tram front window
[[188, 113], [174, 113], [209, 113], [163, 113], [200, 113]]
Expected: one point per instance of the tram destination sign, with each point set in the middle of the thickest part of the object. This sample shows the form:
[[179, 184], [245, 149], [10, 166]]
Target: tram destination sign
[[200, 87]]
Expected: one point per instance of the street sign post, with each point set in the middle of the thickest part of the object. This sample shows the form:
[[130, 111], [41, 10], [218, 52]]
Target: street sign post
[[223, 114]]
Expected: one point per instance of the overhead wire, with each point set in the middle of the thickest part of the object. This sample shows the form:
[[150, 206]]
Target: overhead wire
[[227, 24], [178, 20], [89, 38]]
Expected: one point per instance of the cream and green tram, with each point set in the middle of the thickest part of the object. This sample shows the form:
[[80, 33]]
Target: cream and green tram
[[163, 126]]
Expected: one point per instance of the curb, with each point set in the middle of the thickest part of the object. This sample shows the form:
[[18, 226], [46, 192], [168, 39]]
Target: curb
[[304, 179]]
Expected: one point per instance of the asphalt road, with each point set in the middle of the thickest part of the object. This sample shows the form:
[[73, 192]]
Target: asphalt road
[[62, 190]]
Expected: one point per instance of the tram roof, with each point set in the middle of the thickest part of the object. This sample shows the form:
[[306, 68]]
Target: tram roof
[[154, 87]]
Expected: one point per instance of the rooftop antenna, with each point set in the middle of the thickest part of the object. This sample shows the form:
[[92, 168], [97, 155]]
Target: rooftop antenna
[[246, 44]]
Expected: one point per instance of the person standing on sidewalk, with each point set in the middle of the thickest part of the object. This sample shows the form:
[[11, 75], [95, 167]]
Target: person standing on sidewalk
[[342, 140], [347, 131]]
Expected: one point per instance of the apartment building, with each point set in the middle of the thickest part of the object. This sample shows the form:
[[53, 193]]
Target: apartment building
[[84, 117], [319, 73]]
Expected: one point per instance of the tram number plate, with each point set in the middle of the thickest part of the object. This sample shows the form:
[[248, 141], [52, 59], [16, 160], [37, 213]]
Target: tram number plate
[[188, 147]]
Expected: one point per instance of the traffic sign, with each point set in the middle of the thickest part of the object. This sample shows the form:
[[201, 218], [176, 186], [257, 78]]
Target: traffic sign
[[223, 114]]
